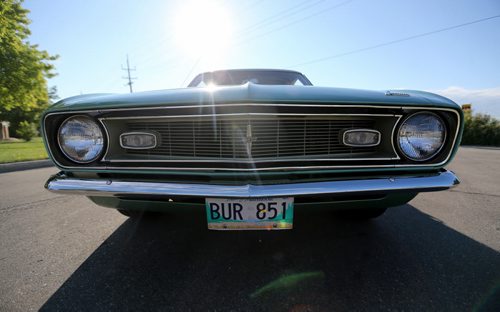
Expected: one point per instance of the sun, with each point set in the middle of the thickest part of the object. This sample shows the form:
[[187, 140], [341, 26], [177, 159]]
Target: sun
[[203, 29]]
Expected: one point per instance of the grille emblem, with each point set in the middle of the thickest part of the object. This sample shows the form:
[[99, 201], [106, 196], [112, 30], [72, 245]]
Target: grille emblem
[[249, 139]]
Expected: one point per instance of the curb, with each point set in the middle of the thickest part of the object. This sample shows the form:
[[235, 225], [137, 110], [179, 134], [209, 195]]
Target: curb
[[25, 165]]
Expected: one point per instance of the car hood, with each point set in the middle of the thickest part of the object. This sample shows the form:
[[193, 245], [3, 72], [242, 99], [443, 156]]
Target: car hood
[[252, 93]]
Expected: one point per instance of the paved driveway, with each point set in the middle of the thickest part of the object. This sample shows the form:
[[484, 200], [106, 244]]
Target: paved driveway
[[439, 252]]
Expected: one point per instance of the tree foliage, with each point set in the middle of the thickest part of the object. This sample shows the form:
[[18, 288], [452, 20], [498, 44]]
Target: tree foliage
[[27, 130], [481, 129], [24, 68]]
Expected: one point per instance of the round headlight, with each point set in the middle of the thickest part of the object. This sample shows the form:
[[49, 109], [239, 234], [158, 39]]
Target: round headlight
[[81, 139], [421, 136]]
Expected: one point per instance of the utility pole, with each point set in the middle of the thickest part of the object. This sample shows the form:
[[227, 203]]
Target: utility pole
[[129, 78]]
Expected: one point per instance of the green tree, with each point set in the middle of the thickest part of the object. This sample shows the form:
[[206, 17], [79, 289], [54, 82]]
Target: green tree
[[480, 129], [24, 68]]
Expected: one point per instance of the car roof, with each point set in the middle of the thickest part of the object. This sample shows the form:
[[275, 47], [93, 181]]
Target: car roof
[[247, 71]]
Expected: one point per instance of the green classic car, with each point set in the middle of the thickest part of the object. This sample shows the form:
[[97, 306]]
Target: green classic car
[[250, 146]]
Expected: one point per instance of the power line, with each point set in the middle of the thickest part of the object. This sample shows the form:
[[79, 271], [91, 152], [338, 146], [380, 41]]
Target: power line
[[129, 78], [278, 16], [156, 45], [273, 19], [296, 21], [250, 7], [191, 71], [326, 58], [246, 31]]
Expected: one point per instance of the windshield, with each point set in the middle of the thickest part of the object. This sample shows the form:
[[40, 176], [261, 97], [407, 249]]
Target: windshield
[[239, 77]]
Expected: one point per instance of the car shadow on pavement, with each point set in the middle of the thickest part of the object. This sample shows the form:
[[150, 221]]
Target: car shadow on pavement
[[404, 260]]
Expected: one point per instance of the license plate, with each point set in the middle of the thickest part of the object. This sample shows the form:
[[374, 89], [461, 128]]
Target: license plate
[[249, 213]]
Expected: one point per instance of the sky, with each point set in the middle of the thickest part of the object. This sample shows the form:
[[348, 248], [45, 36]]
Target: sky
[[364, 44]]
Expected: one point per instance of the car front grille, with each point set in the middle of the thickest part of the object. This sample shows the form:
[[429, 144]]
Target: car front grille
[[251, 138], [227, 138]]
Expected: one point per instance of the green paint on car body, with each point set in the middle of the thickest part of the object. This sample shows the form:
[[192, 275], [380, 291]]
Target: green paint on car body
[[256, 94], [253, 93], [249, 93]]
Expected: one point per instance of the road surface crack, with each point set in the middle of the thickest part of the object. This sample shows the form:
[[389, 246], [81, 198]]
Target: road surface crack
[[475, 193], [9, 208]]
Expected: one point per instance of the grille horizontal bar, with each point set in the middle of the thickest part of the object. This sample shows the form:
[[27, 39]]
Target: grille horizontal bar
[[252, 137]]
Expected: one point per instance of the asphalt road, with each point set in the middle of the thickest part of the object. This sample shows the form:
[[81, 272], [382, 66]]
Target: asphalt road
[[439, 252]]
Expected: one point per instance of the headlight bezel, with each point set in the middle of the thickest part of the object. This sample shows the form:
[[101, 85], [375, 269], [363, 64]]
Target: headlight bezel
[[103, 136], [433, 155]]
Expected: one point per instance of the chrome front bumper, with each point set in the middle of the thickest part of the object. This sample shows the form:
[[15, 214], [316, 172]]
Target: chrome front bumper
[[100, 187]]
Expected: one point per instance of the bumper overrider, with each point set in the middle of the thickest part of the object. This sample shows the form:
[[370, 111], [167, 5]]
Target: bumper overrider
[[442, 180]]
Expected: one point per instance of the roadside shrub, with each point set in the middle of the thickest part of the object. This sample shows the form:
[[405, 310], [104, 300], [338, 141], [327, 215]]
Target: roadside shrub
[[26, 130], [481, 129]]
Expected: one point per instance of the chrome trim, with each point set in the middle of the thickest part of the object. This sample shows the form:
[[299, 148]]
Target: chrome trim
[[102, 134], [437, 151], [138, 133], [235, 105], [108, 141], [122, 188], [396, 93], [402, 107], [234, 169], [392, 138], [363, 130], [250, 139], [243, 114], [459, 121], [252, 160]]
